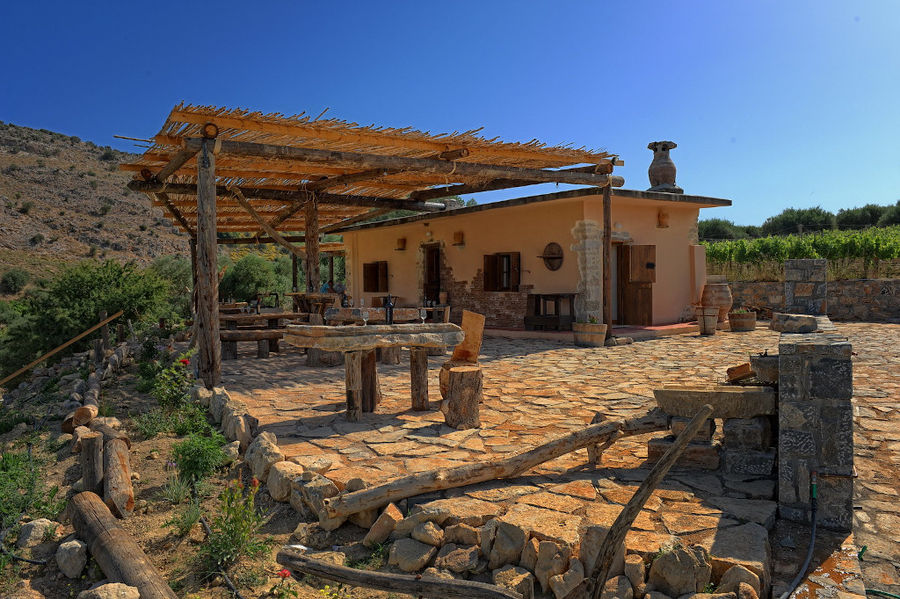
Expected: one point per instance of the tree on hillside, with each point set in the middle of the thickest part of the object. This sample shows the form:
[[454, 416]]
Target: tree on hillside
[[798, 220], [719, 228], [860, 218], [891, 216]]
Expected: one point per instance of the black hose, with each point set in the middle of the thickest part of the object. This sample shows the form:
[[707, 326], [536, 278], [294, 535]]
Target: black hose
[[814, 508]]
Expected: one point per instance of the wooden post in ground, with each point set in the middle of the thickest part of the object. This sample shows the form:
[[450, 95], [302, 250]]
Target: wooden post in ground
[[92, 462], [120, 333], [193, 245], [371, 393], [607, 260], [353, 380], [294, 273], [209, 351], [331, 267], [104, 331], [418, 377], [115, 551], [311, 212]]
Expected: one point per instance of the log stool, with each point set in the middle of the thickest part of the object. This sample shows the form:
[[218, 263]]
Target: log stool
[[460, 408], [389, 355]]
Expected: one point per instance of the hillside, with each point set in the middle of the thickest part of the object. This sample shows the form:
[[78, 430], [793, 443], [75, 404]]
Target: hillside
[[64, 200]]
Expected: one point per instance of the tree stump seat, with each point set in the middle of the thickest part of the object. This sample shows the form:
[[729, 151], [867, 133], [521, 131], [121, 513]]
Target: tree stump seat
[[461, 407]]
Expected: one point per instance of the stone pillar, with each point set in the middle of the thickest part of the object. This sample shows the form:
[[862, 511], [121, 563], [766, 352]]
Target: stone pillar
[[815, 427], [805, 287], [588, 248]]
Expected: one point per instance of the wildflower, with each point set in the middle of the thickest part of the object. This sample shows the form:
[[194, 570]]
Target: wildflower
[[254, 482], [185, 361], [284, 573]]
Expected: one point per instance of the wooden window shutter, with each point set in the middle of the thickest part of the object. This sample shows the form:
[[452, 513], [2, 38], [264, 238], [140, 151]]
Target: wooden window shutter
[[642, 266], [370, 277], [515, 262], [382, 276], [491, 272]]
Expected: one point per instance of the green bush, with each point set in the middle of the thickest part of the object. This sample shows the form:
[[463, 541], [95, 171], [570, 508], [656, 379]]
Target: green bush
[[891, 216], [234, 530], [176, 271], [859, 218], [26, 207], [199, 456], [714, 229], [14, 280], [250, 275], [798, 220], [172, 385]]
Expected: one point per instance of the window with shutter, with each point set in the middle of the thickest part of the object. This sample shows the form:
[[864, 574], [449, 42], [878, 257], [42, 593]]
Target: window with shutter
[[491, 273], [502, 271], [375, 277]]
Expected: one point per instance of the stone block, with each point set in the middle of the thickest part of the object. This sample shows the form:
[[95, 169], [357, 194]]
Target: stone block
[[261, 454], [279, 481], [515, 579], [681, 571], [748, 433], [457, 559], [696, 455], [793, 323], [728, 401], [509, 541], [410, 555], [678, 424], [565, 583], [383, 526], [765, 367], [552, 559], [428, 533], [71, 557]]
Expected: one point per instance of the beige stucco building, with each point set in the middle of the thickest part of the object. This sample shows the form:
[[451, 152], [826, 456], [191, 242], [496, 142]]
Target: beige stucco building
[[498, 259]]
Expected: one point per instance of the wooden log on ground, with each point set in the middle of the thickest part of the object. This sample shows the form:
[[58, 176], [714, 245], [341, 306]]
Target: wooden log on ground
[[417, 586], [463, 397], [418, 377], [78, 434], [118, 494], [92, 462], [109, 433], [79, 417], [371, 392], [599, 571], [448, 478], [353, 383], [115, 551]]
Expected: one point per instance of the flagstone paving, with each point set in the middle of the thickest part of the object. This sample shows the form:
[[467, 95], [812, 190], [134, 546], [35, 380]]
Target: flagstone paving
[[534, 390]]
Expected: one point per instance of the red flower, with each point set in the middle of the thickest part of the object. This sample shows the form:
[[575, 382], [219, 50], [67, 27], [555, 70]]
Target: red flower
[[254, 482], [284, 573], [185, 361]]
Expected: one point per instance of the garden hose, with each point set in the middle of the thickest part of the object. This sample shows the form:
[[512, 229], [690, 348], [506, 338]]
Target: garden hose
[[814, 508], [882, 593]]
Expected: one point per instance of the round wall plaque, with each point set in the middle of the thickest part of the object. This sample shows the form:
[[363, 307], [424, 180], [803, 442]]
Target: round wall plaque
[[552, 256]]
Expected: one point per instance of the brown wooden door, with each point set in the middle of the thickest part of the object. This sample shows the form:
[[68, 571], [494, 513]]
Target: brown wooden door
[[432, 272], [637, 273]]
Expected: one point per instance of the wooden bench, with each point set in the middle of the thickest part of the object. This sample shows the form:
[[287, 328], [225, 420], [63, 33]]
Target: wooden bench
[[266, 341]]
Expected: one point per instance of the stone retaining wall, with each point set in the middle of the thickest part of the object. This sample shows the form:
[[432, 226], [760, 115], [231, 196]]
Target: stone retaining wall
[[863, 300]]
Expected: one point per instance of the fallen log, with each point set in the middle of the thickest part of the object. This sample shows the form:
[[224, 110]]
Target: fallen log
[[448, 478], [598, 572], [416, 586], [92, 462], [118, 494], [78, 434], [109, 433], [115, 551]]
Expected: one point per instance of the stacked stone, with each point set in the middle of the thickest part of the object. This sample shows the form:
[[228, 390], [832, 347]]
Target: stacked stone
[[815, 422], [748, 446], [805, 287], [702, 452]]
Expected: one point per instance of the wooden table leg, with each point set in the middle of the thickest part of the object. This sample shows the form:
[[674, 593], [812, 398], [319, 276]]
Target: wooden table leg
[[231, 325], [418, 377], [371, 394], [353, 372]]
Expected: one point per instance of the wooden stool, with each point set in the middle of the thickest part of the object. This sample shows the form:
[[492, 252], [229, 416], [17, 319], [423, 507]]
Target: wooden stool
[[463, 397]]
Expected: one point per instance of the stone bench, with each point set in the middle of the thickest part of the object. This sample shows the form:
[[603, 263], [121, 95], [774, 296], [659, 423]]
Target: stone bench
[[266, 341]]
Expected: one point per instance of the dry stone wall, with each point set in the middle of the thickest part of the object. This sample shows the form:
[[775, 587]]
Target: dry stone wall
[[861, 300]]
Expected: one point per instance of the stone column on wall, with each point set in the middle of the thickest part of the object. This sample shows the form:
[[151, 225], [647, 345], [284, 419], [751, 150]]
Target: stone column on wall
[[815, 422], [588, 248], [805, 287]]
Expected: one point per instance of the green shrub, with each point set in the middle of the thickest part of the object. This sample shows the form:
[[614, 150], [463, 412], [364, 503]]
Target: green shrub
[[176, 271], [26, 207], [250, 275], [798, 220], [234, 530], [14, 280], [176, 490], [149, 424], [199, 456], [172, 385], [22, 490], [859, 218], [185, 519], [890, 217]]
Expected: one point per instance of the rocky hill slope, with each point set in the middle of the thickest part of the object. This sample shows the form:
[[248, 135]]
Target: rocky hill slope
[[64, 200]]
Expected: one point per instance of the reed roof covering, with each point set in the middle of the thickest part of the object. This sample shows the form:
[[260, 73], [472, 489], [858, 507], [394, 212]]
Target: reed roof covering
[[344, 189]]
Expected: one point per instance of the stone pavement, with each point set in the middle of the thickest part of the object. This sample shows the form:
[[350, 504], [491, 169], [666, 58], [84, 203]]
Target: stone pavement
[[534, 390]]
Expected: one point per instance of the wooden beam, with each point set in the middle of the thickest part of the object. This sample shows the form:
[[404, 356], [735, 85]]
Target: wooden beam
[[175, 163], [286, 213], [236, 194], [291, 197], [354, 219], [607, 261], [455, 190], [312, 246], [208, 343], [428, 165], [324, 184], [163, 198]]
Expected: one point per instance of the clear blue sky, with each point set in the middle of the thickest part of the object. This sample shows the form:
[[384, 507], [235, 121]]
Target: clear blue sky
[[772, 104]]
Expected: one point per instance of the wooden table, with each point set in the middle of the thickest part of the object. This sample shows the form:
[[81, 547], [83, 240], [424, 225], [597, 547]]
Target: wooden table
[[376, 315], [231, 321], [444, 310], [315, 303], [358, 343], [539, 316]]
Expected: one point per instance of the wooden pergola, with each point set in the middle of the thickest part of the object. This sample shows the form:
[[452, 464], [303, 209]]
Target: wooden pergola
[[289, 179]]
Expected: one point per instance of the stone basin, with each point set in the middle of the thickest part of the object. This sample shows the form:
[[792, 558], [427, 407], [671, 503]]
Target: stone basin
[[728, 401], [357, 338]]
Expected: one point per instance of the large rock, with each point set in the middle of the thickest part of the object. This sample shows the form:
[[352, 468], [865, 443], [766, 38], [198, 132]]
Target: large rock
[[636, 573], [457, 559], [428, 533], [617, 587], [516, 579], [728, 401], [71, 557], [746, 545], [281, 474], [462, 510], [552, 559], [681, 571], [736, 575], [462, 534], [530, 553], [591, 541], [36, 532], [314, 492], [262, 453], [793, 323], [319, 464], [365, 518], [438, 515], [110, 590], [563, 584], [383, 527], [410, 555], [201, 395], [509, 541]]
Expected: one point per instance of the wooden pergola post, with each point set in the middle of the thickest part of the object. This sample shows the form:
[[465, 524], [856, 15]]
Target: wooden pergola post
[[312, 246], [209, 349], [607, 259], [294, 269], [193, 246]]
